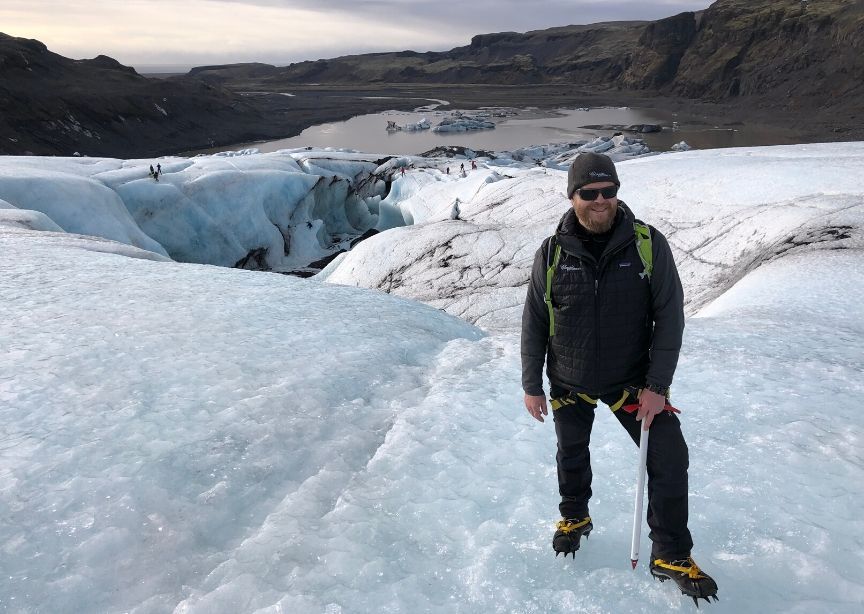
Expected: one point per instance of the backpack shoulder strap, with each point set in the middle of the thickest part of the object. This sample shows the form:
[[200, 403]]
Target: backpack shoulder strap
[[553, 256], [644, 247]]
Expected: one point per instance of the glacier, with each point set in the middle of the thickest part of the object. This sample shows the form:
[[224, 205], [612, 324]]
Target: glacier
[[190, 438]]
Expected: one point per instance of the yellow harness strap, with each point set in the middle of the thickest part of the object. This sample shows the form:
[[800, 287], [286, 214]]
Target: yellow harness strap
[[693, 571], [560, 402], [566, 526], [620, 401]]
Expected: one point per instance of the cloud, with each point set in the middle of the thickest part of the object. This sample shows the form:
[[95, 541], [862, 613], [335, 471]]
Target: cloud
[[283, 31], [483, 16], [199, 30], [468, 17]]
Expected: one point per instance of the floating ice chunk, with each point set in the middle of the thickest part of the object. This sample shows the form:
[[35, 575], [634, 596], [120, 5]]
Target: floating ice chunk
[[463, 123], [599, 145], [233, 154]]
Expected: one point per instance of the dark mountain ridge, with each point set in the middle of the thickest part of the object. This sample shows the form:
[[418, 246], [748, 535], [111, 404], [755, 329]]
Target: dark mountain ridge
[[807, 55], [774, 53], [790, 61], [53, 105], [732, 49]]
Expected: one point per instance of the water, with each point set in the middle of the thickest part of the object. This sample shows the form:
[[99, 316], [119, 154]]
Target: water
[[526, 127]]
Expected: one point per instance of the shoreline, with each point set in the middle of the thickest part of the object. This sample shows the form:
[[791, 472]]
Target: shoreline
[[579, 125], [272, 115], [339, 103]]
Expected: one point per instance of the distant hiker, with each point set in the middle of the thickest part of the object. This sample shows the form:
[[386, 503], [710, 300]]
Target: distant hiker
[[605, 313], [462, 168], [152, 172], [158, 169], [403, 171], [473, 165], [447, 170]]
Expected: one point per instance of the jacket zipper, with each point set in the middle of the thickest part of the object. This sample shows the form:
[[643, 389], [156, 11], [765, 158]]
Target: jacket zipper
[[596, 330], [598, 273]]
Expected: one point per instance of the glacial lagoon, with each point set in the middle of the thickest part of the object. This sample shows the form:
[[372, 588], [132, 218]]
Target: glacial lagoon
[[517, 128]]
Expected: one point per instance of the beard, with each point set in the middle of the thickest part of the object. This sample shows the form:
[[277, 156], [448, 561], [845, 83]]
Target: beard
[[596, 222]]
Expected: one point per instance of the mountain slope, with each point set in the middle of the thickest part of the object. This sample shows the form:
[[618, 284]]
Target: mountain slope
[[55, 105], [800, 54], [591, 53], [786, 60], [784, 54]]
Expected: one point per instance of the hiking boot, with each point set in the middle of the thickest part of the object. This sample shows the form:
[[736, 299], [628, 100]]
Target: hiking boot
[[692, 581], [569, 532]]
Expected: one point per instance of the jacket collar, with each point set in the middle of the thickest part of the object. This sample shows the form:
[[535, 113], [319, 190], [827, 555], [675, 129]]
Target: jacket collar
[[622, 232]]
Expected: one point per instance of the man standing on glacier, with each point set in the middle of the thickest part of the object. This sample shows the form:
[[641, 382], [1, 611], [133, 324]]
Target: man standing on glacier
[[605, 313]]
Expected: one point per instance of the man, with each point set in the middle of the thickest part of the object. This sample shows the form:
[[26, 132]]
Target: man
[[609, 328]]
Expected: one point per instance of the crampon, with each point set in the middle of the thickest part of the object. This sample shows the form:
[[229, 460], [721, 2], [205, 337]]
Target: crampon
[[692, 581], [568, 534]]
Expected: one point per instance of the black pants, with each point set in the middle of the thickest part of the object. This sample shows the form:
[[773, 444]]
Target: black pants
[[668, 461]]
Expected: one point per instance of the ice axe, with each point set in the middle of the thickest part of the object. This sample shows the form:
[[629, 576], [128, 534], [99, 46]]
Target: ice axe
[[640, 484], [640, 492]]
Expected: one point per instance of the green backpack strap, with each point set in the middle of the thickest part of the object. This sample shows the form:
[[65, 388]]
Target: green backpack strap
[[643, 246], [551, 265]]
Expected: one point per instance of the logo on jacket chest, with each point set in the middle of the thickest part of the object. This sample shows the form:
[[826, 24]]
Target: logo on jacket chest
[[576, 268], [570, 267]]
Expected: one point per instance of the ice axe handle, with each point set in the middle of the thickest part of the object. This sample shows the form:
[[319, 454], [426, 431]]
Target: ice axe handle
[[640, 492]]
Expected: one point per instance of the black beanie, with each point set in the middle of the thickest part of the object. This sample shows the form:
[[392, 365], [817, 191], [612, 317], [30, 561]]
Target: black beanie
[[590, 167]]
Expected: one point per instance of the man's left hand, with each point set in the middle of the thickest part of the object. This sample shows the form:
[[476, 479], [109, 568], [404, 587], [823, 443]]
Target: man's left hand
[[650, 404]]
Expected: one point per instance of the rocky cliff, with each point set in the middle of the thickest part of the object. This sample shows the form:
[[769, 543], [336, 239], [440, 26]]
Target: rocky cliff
[[803, 57], [52, 104], [792, 53], [594, 54], [785, 52]]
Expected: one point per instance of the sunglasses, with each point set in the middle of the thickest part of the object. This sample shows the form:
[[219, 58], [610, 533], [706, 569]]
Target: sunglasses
[[592, 193]]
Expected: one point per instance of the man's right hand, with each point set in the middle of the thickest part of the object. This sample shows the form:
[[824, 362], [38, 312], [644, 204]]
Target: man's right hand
[[536, 406]]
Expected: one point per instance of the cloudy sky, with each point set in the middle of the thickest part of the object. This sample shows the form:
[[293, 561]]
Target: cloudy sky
[[195, 32]]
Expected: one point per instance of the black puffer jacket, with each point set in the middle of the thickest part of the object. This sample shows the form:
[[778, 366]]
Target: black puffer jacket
[[612, 327]]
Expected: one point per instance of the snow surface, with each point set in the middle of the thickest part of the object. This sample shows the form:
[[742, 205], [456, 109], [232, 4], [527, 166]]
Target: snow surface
[[195, 439]]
